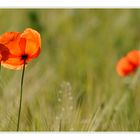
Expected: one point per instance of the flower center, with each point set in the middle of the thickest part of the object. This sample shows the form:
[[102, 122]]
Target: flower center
[[24, 56]]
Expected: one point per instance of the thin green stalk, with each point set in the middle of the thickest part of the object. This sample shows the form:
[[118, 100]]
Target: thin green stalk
[[21, 91]]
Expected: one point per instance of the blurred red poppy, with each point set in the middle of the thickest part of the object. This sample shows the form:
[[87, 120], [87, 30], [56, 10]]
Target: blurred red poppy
[[129, 63], [23, 47]]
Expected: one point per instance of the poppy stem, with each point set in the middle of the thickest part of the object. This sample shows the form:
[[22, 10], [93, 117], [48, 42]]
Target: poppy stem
[[21, 91]]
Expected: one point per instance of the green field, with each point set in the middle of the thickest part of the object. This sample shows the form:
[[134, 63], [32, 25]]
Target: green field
[[73, 85]]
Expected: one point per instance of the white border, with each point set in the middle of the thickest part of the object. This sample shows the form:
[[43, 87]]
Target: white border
[[70, 136], [69, 3]]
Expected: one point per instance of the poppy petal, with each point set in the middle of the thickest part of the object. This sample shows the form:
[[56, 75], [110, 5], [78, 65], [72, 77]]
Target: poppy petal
[[11, 41], [134, 57], [124, 67], [4, 52], [8, 37], [13, 63], [22, 44], [33, 42], [13, 67]]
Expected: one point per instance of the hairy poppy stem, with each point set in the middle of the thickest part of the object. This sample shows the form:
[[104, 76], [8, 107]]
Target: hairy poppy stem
[[21, 91]]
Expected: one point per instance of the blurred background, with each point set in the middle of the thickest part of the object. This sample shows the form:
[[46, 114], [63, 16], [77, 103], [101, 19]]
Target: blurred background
[[73, 84]]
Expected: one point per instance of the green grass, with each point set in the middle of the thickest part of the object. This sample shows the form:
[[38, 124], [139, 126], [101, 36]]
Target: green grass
[[73, 84]]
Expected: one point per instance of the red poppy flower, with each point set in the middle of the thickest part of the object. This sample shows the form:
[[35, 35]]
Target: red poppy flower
[[134, 58], [129, 63], [23, 47]]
